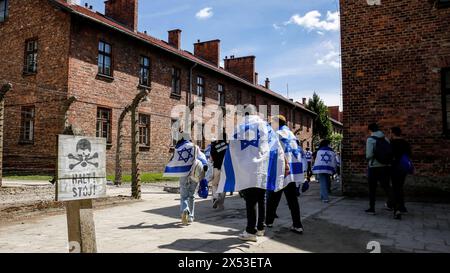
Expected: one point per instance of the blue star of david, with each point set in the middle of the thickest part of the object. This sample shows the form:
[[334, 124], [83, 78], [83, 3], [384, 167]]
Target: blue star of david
[[288, 148], [183, 152], [246, 143], [326, 157]]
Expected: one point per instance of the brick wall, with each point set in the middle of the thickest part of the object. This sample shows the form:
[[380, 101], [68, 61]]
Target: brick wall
[[392, 56]]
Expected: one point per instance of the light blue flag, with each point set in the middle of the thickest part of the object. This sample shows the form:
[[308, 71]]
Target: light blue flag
[[254, 158]]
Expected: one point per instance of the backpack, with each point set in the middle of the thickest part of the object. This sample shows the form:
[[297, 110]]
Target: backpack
[[406, 165], [383, 151]]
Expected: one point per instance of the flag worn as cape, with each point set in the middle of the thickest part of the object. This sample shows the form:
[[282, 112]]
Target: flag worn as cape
[[183, 158], [325, 161], [294, 155], [254, 158]]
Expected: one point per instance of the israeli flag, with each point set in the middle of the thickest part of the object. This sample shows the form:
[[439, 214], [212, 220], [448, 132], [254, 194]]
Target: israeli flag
[[294, 155], [325, 161], [180, 164], [254, 158]]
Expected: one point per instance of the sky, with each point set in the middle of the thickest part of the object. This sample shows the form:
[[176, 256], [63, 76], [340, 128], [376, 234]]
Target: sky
[[296, 42]]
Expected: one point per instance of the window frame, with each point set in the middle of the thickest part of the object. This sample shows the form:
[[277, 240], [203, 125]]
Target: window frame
[[144, 67], [108, 121], [146, 127], [105, 54], [445, 93], [201, 86], [24, 120], [35, 53], [239, 97], [176, 81], [221, 94], [5, 11]]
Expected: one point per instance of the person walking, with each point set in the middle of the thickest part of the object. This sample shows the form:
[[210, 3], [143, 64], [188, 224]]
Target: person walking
[[189, 164], [401, 167], [324, 167], [218, 150], [379, 155], [295, 158], [309, 159], [254, 162]]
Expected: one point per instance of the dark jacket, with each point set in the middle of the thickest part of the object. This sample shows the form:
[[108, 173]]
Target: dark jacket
[[400, 147]]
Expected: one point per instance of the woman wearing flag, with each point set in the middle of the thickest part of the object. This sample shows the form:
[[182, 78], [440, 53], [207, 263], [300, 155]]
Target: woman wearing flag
[[189, 164], [254, 162], [324, 168], [296, 160]]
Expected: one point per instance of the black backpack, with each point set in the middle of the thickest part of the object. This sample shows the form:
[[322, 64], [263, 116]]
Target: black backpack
[[383, 151]]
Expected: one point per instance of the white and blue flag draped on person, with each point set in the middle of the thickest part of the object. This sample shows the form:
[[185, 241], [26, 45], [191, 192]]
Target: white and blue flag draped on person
[[325, 161], [294, 155], [254, 158], [182, 160]]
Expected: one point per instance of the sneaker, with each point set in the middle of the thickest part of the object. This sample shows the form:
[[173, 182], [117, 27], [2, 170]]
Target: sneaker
[[260, 233], [215, 203], [297, 230], [370, 211], [398, 215], [245, 236], [269, 225], [326, 201], [388, 208], [185, 217]]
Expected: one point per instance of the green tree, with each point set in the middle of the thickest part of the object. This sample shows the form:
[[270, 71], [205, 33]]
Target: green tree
[[322, 127], [336, 141]]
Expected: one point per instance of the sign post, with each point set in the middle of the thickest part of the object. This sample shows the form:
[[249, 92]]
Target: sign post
[[81, 177]]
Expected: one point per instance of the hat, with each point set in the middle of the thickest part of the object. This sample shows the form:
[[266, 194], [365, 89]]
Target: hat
[[279, 118]]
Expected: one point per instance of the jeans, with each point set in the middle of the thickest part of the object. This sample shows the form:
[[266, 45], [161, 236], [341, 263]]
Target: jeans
[[325, 181], [255, 197], [273, 201], [379, 175], [187, 191], [398, 181]]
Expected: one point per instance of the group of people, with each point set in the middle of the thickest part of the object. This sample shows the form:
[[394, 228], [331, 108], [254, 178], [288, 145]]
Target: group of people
[[262, 161], [389, 164]]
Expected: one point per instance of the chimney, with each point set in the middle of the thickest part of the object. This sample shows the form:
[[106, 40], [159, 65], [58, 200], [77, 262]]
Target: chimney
[[208, 51], [123, 11], [334, 112], [256, 78], [267, 83], [175, 38], [243, 67], [304, 101]]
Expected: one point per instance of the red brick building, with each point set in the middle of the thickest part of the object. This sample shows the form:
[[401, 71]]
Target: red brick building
[[63, 50], [396, 71]]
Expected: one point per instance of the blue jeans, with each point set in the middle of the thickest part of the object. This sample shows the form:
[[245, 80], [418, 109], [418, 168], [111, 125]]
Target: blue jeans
[[324, 180], [187, 191]]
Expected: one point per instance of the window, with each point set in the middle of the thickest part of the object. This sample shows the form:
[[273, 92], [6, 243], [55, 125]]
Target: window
[[239, 97], [3, 10], [144, 73], [443, 3], [176, 81], [201, 87], [27, 124], [104, 124], [221, 92], [31, 53], [174, 125], [104, 59], [308, 124], [446, 99], [144, 130]]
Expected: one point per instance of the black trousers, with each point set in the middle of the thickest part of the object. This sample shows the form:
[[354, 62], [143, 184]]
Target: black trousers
[[379, 175], [273, 200], [255, 217], [398, 181]]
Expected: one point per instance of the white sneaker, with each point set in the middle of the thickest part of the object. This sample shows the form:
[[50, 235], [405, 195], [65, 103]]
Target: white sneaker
[[185, 217], [297, 230], [260, 233], [245, 236]]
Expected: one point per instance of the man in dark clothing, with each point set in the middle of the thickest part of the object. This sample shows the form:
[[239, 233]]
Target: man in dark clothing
[[218, 150], [400, 147]]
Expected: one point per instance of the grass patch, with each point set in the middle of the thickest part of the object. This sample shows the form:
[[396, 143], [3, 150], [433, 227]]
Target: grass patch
[[145, 178], [28, 177]]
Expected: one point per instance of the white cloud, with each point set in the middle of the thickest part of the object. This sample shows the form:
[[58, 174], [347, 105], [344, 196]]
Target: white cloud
[[204, 13], [331, 57], [313, 21]]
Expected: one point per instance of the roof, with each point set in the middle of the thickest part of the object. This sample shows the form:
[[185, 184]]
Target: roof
[[102, 19], [336, 122]]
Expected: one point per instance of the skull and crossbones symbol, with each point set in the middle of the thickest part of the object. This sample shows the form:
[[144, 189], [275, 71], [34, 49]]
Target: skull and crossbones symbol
[[83, 156]]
